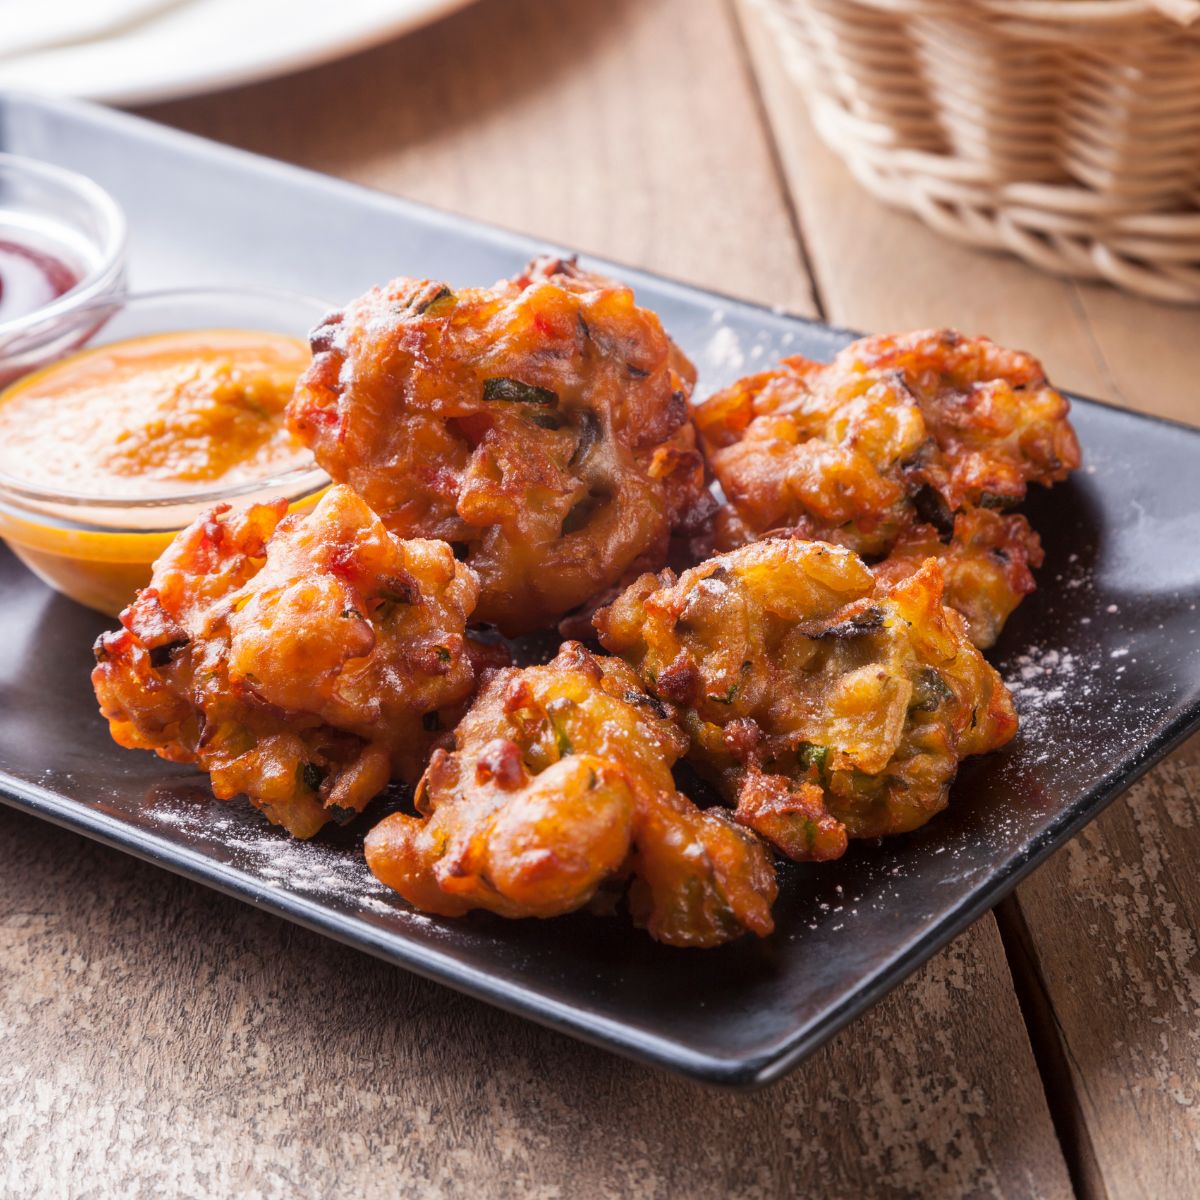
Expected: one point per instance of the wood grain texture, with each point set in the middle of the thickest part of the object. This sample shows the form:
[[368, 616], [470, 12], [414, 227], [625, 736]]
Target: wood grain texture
[[877, 269], [161, 1039], [1110, 921], [625, 128], [1112, 924]]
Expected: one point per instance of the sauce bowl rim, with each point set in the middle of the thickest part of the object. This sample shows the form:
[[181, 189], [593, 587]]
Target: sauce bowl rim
[[294, 483], [113, 243]]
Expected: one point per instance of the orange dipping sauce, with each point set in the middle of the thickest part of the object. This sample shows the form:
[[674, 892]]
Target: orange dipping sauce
[[125, 443], [156, 416]]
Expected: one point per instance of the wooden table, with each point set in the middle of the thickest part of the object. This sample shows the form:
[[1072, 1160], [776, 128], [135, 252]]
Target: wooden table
[[159, 1039]]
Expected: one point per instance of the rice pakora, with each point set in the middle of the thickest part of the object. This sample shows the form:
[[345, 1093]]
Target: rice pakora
[[303, 660], [540, 426], [823, 705], [559, 789], [898, 432]]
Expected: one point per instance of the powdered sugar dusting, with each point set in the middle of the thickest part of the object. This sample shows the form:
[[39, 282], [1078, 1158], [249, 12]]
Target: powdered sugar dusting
[[1040, 677], [281, 862], [730, 350], [724, 352], [1066, 698], [1040, 681]]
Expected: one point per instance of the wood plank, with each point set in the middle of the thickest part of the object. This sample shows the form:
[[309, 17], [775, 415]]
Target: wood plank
[[161, 1037], [1109, 924], [623, 128], [1112, 941], [879, 269]]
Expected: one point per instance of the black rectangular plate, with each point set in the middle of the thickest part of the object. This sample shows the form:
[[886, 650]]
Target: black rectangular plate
[[1104, 660]]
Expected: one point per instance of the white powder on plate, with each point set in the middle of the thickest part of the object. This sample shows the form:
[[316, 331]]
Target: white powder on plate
[[278, 861]]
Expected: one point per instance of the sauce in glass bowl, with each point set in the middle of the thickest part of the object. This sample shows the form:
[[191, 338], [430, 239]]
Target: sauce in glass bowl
[[62, 248], [150, 416], [30, 278], [174, 404]]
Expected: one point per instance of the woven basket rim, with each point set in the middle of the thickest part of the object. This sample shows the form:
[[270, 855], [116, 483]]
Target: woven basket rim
[[1020, 125], [1091, 14]]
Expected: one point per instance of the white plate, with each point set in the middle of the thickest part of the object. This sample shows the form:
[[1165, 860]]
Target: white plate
[[161, 51]]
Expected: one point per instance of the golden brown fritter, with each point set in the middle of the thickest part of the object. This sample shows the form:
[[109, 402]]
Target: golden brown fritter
[[824, 706], [985, 564], [541, 426], [897, 432], [559, 788], [302, 660], [856, 446], [985, 557]]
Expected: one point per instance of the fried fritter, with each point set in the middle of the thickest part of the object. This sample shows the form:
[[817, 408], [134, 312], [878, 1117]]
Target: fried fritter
[[823, 705], [985, 557], [897, 432], [540, 426], [985, 564], [560, 789], [303, 660]]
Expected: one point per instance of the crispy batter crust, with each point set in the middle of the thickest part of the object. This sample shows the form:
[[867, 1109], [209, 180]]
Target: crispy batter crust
[[986, 566], [560, 786], [540, 426], [301, 660], [897, 436], [822, 704]]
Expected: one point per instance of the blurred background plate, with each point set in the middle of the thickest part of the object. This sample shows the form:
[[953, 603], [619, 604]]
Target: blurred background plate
[[141, 52]]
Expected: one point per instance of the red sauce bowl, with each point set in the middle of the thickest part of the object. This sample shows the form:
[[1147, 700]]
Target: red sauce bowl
[[62, 246]]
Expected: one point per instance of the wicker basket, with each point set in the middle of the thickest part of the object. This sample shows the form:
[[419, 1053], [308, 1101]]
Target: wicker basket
[[1066, 131]]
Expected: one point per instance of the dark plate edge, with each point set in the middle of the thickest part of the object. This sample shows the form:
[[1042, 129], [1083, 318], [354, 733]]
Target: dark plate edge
[[743, 1073], [426, 961], [772, 1067]]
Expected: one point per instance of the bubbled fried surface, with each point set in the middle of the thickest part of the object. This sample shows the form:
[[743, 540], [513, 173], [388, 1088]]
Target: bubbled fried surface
[[541, 426], [857, 445], [898, 432], [986, 566], [302, 660], [824, 706], [558, 792]]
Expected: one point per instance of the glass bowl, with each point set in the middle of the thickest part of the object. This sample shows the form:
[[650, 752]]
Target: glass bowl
[[71, 220], [99, 549]]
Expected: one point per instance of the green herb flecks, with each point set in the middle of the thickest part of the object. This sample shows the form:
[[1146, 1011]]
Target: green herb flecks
[[992, 500], [869, 620], [589, 434], [562, 741], [443, 301], [810, 755], [930, 692]]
